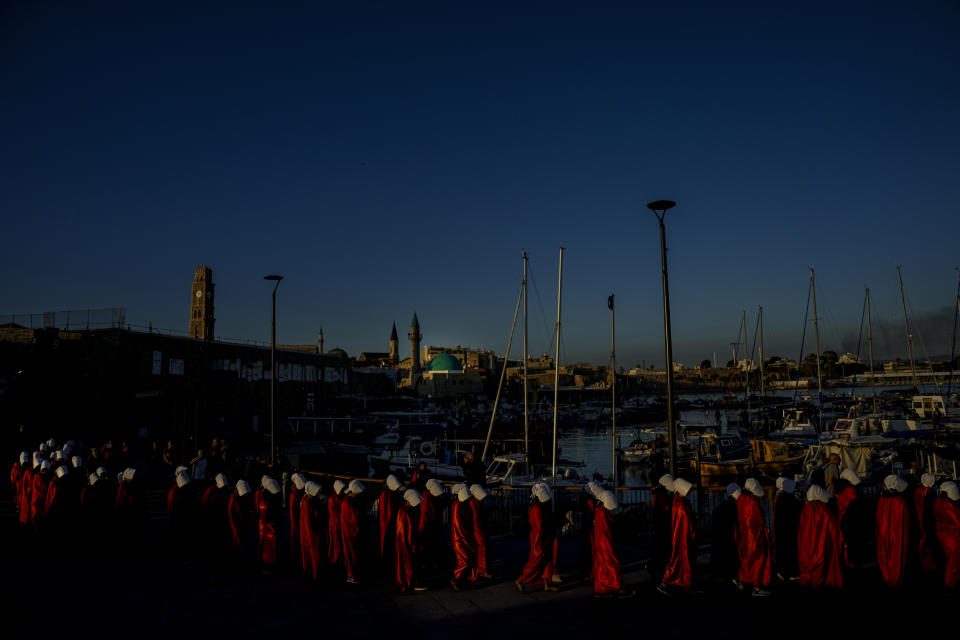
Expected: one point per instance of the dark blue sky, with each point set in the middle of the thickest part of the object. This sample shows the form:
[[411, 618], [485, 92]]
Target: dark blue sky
[[392, 157]]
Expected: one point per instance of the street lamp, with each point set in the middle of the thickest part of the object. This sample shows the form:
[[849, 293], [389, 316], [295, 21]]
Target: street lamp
[[273, 368], [659, 208]]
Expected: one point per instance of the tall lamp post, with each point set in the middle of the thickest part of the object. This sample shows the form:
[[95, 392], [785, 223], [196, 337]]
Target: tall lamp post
[[273, 368], [659, 208]]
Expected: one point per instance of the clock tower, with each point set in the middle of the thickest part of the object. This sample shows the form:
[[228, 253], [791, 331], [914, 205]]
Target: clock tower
[[201, 304]]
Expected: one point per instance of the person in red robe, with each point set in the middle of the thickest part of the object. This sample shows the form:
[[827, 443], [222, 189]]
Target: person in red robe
[[662, 507], [238, 515], [477, 495], [430, 543], [351, 530], [820, 542], [923, 497], [213, 511], [38, 493], [606, 564], [462, 537], [946, 512], [893, 531], [182, 518], [786, 524], [679, 570], [269, 507], [387, 505], [753, 541], [19, 466], [856, 520], [313, 530], [588, 504], [334, 541], [294, 496], [26, 487], [405, 546], [58, 507], [539, 564]]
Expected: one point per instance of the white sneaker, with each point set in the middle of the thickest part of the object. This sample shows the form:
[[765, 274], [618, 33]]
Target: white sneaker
[[556, 579]]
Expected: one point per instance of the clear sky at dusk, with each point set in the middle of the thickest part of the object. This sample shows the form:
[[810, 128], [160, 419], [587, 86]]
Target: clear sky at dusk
[[396, 157]]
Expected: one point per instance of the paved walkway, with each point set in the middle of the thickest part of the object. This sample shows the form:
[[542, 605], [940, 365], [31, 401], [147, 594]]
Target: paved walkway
[[59, 589]]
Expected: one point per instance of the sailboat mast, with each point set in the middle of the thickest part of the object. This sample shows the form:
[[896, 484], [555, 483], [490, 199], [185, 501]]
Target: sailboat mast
[[873, 382], [503, 376], [906, 328], [746, 368], [526, 427], [762, 384], [613, 386], [816, 332], [556, 370]]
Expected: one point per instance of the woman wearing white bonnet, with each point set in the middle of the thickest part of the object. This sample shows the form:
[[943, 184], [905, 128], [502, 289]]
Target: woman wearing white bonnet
[[820, 542], [923, 499], [786, 526], [539, 566], [678, 575], [893, 531], [661, 505], [606, 565], [350, 529]]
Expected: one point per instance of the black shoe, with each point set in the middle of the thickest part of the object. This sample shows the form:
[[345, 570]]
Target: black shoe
[[662, 588]]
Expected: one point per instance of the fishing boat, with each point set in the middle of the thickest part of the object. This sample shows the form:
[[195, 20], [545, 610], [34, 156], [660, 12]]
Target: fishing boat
[[514, 470], [442, 461]]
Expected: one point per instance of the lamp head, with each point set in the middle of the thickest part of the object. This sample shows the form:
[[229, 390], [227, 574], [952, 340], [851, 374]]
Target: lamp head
[[274, 277], [661, 205]]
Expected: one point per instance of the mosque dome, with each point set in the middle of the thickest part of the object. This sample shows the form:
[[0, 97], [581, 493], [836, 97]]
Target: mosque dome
[[338, 353], [444, 362]]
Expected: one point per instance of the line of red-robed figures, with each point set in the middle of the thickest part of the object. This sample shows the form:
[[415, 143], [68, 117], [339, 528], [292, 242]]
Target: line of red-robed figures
[[814, 542], [49, 490], [811, 543]]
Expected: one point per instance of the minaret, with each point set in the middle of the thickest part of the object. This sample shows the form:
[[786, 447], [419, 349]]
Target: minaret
[[201, 304], [320, 340], [394, 345], [415, 337]]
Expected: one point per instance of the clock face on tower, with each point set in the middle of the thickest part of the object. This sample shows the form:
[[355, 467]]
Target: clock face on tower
[[199, 293]]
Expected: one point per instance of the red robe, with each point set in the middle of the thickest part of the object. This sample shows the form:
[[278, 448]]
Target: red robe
[[606, 565], [58, 497], [26, 487], [38, 498], [334, 543], [844, 498], [313, 535], [540, 562], [920, 496], [679, 571], [293, 507], [430, 542], [350, 535], [479, 536], [893, 538], [387, 506], [15, 480], [406, 546], [267, 521], [461, 536], [947, 515], [753, 543], [820, 547], [237, 517]]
